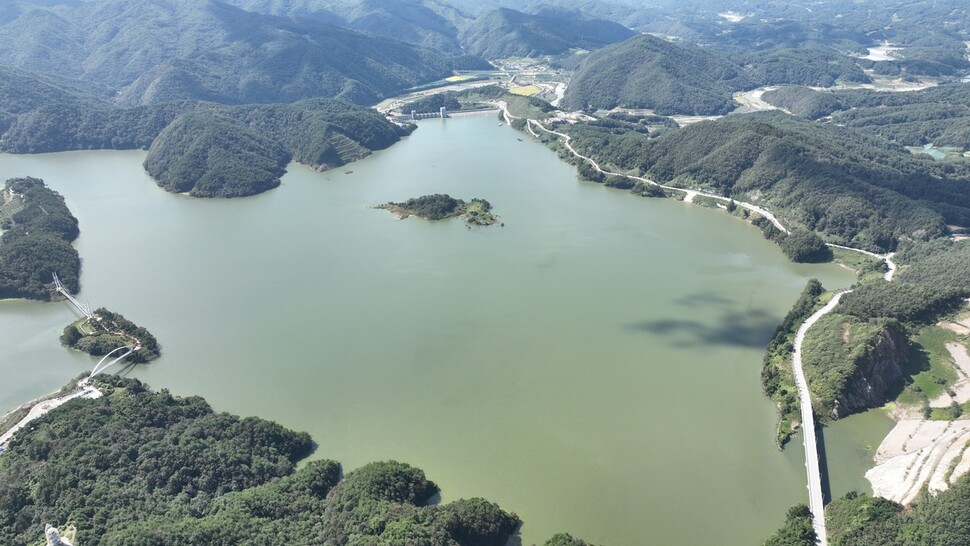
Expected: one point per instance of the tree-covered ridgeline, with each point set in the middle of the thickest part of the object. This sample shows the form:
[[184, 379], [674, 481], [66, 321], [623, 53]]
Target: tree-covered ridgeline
[[506, 32], [38, 230], [937, 115], [208, 155], [142, 468], [207, 150], [851, 188], [684, 78], [428, 24], [138, 52]]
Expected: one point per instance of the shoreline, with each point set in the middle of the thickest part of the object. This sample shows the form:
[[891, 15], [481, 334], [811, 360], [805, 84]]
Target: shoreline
[[951, 451]]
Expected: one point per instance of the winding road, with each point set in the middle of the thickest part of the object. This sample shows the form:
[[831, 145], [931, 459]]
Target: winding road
[[815, 500], [691, 193]]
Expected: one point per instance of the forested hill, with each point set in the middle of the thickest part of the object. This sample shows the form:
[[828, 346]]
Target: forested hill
[[421, 22], [22, 91], [38, 230], [136, 467], [150, 51], [220, 151], [509, 33], [679, 78], [647, 72], [205, 149], [938, 115], [851, 188]]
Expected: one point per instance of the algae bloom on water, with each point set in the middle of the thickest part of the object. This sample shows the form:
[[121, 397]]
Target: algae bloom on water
[[439, 206]]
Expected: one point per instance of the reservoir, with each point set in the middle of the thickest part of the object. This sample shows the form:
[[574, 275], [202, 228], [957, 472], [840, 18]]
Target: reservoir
[[593, 365]]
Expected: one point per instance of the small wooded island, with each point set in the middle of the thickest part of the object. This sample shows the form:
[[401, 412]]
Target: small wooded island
[[108, 331], [439, 206]]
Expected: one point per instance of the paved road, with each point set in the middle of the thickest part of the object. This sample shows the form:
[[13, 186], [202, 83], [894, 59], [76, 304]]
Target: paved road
[[42, 408], [815, 501], [689, 192]]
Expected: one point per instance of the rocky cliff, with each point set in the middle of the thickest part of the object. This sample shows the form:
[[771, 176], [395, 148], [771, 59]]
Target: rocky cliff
[[852, 365], [878, 372]]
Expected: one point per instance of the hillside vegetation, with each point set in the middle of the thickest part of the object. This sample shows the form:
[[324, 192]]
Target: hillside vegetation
[[211, 156], [938, 115], [137, 467], [142, 52], [940, 519], [647, 72], [682, 78], [244, 150], [509, 33], [421, 22], [205, 149], [851, 188], [38, 230]]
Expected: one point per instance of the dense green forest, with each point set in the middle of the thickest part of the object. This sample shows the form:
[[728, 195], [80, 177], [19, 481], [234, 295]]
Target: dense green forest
[[207, 155], [933, 280], [109, 331], [490, 30], [208, 51], [507, 32], [137, 467], [847, 186], [682, 78], [647, 72], [931, 32], [940, 519], [38, 230], [208, 150], [938, 115], [420, 22]]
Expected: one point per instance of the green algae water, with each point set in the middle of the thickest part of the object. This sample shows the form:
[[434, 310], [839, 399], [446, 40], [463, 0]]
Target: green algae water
[[593, 365]]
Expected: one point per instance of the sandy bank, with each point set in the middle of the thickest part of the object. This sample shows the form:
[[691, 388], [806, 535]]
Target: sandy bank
[[918, 452]]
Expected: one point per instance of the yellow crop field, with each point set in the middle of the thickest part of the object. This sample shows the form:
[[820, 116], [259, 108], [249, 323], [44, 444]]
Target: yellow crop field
[[525, 90]]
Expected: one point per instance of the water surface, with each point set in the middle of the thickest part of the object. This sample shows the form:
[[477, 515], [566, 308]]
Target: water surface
[[592, 366]]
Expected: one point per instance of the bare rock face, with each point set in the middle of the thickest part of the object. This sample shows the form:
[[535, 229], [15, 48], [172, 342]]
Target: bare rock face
[[54, 537], [878, 373]]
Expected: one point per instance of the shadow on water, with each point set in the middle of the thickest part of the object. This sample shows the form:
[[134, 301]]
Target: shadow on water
[[823, 466], [751, 328], [703, 299]]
